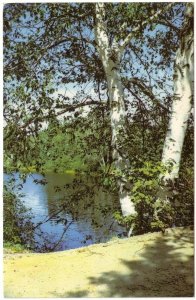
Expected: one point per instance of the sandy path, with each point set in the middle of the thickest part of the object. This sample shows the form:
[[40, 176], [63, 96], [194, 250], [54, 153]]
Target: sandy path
[[147, 265]]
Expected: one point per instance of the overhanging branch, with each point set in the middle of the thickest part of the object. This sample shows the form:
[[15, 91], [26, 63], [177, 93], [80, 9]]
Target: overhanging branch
[[145, 22], [145, 89], [65, 109]]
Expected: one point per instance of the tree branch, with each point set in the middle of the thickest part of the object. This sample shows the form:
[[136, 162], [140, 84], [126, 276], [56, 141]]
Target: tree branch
[[67, 108], [169, 24], [146, 90], [70, 108], [145, 22]]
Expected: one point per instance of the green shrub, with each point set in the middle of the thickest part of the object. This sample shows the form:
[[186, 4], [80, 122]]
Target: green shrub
[[155, 211], [18, 227]]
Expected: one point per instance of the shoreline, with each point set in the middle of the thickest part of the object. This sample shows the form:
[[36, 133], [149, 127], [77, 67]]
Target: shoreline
[[163, 264]]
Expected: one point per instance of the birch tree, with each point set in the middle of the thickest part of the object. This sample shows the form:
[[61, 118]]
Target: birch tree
[[47, 45], [111, 56], [182, 99]]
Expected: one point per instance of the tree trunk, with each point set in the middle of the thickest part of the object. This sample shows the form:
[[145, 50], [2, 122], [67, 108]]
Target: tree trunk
[[118, 126], [110, 57], [182, 100]]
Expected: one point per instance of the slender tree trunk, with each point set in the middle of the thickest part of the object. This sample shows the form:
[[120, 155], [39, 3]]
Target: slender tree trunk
[[181, 110], [110, 57], [182, 100], [119, 134]]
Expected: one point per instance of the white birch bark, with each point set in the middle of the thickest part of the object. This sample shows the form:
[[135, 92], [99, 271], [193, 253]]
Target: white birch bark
[[110, 57], [182, 101]]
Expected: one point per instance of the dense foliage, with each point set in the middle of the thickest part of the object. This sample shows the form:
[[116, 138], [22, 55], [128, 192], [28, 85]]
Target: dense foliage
[[48, 130], [17, 224]]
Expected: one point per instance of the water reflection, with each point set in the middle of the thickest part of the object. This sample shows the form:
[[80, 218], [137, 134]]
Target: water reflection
[[87, 217]]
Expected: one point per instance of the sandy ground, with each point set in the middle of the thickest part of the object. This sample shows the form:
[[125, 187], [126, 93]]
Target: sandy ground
[[142, 266]]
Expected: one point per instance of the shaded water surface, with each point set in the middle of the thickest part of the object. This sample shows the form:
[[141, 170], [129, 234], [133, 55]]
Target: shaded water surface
[[85, 219]]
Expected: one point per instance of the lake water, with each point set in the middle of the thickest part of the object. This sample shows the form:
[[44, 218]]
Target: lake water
[[86, 218]]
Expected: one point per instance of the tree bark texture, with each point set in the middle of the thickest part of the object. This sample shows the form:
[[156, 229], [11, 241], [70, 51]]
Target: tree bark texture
[[110, 57], [182, 100]]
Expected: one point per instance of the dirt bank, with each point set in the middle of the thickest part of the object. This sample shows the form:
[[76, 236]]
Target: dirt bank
[[146, 266]]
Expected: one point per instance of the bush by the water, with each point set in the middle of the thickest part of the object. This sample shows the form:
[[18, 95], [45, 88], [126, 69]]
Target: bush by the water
[[18, 227], [153, 215]]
